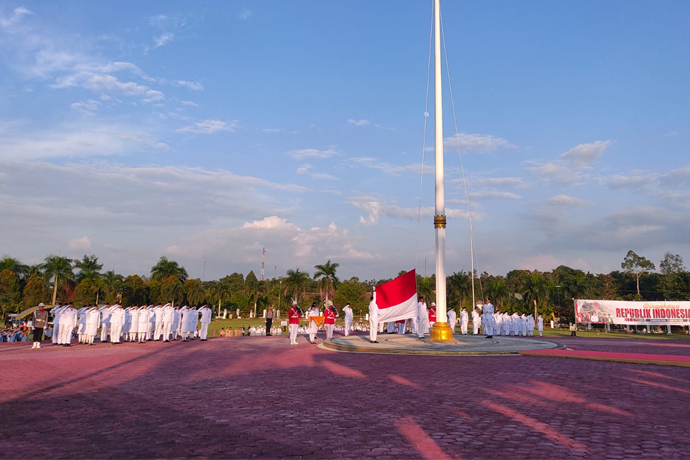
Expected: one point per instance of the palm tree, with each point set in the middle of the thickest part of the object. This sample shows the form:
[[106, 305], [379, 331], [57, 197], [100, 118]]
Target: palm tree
[[326, 275], [426, 287], [57, 268], [111, 283], [195, 291], [172, 288], [166, 268], [15, 266], [295, 281], [497, 290], [460, 286], [536, 290], [89, 268]]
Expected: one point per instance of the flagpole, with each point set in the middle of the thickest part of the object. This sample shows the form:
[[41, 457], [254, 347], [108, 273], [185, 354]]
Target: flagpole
[[441, 331]]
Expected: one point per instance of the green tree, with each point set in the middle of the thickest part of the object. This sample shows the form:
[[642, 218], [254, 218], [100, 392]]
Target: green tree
[[135, 292], [112, 284], [85, 292], [10, 295], [636, 266], [296, 281], [15, 266], [88, 268], [459, 288], [194, 291], [326, 276], [58, 269], [535, 291], [172, 290], [35, 291], [671, 264], [497, 290], [166, 268], [426, 287]]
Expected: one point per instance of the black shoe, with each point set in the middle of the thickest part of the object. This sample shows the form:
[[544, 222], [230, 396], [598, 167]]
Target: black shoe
[[489, 336], [374, 341]]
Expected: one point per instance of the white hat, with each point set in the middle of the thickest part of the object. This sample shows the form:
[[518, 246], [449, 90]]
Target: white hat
[[330, 304], [433, 304], [294, 302], [41, 305]]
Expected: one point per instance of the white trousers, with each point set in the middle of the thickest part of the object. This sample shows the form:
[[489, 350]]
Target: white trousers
[[422, 325], [401, 327], [413, 325], [475, 327], [149, 335], [167, 328], [329, 330], [65, 334], [463, 328], [348, 326], [105, 330], [373, 328], [158, 331], [142, 336], [540, 332], [115, 333], [203, 332], [56, 333], [293, 332]]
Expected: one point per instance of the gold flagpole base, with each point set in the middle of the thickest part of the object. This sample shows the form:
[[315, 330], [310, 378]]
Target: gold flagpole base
[[441, 332]]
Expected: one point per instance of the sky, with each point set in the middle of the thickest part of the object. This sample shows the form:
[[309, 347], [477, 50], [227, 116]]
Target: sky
[[206, 131]]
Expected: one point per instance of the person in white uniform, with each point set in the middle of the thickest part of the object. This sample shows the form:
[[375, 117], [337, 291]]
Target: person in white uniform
[[373, 319], [348, 319], [134, 323], [175, 331], [422, 318], [68, 320], [117, 322], [105, 322], [56, 324], [193, 322], [144, 324], [313, 327], [205, 321], [184, 323], [168, 319], [294, 314], [489, 315], [452, 319], [476, 321], [464, 320], [93, 322], [157, 322], [81, 325], [540, 325]]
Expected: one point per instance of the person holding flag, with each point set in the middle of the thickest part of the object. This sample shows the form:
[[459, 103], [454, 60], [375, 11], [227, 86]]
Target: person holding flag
[[330, 314], [294, 314], [373, 318]]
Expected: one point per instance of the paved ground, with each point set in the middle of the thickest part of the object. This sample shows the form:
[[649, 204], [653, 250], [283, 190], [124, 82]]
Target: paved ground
[[258, 397], [462, 345]]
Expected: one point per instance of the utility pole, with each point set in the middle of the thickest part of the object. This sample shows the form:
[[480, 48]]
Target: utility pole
[[263, 263]]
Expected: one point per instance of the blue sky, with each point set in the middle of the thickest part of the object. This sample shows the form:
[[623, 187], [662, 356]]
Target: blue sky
[[132, 130]]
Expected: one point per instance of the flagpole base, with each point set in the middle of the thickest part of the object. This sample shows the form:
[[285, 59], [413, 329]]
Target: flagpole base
[[441, 332]]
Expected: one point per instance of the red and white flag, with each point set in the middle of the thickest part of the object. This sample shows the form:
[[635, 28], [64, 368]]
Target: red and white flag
[[397, 299]]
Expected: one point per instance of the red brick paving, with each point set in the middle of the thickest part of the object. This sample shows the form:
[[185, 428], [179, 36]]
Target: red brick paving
[[258, 397]]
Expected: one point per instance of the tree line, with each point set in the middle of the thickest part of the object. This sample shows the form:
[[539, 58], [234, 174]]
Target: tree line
[[83, 282]]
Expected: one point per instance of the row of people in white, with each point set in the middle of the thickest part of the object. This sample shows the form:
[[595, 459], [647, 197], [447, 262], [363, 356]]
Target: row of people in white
[[134, 323]]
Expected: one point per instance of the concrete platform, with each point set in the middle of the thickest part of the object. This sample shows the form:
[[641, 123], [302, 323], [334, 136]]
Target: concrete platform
[[463, 345]]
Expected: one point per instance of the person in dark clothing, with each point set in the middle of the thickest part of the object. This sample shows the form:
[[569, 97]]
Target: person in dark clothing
[[269, 320], [40, 322]]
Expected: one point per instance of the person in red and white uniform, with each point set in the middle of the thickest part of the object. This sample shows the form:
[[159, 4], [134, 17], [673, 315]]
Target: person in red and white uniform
[[294, 314], [329, 319], [432, 315]]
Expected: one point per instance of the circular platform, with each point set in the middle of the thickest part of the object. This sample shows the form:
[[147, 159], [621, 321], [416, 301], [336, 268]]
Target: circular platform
[[463, 345]]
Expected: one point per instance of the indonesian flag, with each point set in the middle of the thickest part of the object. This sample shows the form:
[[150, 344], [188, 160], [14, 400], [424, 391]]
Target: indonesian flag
[[397, 299]]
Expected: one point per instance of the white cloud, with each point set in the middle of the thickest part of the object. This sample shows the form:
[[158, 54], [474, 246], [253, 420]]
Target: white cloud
[[87, 108], [492, 194], [282, 239], [83, 140], [189, 103], [512, 182], [304, 169], [210, 127], [158, 20], [104, 83], [478, 143], [79, 243], [273, 130], [162, 39], [14, 18], [245, 14], [313, 153], [196, 86], [565, 200], [582, 155], [376, 208], [387, 168], [358, 122], [558, 173]]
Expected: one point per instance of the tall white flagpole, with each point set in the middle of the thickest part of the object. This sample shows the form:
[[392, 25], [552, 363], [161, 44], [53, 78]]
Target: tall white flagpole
[[441, 331]]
